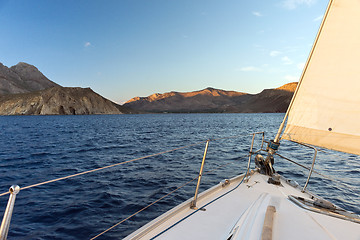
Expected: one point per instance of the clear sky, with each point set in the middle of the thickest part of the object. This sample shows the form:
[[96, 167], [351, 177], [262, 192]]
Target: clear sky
[[127, 48]]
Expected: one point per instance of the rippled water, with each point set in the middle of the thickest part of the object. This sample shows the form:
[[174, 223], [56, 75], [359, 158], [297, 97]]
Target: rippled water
[[39, 148]]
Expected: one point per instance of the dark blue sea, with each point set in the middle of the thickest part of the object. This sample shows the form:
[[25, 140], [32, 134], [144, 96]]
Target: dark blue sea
[[34, 149]]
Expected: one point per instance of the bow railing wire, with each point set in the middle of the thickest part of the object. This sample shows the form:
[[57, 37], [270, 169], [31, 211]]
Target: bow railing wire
[[130, 161], [171, 192], [339, 181], [317, 172], [102, 168], [159, 199], [188, 182], [121, 163]]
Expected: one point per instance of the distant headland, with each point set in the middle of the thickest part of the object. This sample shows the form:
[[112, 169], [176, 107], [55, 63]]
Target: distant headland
[[24, 90], [211, 100]]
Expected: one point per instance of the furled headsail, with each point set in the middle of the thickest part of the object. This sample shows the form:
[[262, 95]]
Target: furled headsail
[[325, 110]]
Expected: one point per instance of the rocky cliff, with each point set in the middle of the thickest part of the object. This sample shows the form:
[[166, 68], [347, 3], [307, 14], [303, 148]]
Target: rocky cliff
[[58, 101], [24, 90], [216, 100], [22, 78]]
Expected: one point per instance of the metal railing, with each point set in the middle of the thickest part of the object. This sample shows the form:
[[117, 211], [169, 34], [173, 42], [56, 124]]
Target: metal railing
[[14, 190], [193, 202], [311, 169], [312, 165], [5, 224]]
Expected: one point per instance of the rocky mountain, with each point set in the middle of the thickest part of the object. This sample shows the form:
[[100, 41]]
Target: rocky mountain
[[22, 78], [24, 90], [58, 101], [216, 100]]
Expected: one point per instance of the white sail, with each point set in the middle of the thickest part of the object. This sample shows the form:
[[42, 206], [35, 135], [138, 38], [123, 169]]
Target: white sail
[[325, 110]]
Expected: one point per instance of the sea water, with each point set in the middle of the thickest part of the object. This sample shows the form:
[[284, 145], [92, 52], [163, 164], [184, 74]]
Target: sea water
[[34, 149]]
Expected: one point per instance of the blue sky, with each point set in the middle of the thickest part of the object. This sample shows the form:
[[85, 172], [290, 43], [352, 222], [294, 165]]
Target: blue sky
[[127, 48]]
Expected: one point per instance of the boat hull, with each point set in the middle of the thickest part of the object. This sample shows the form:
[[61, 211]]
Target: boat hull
[[239, 210]]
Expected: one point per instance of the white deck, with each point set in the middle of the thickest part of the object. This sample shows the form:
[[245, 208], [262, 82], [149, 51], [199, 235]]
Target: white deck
[[245, 207]]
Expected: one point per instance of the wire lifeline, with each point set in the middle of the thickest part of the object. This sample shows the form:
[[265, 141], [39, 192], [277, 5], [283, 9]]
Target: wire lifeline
[[204, 205], [102, 168], [235, 136], [207, 172], [144, 208], [117, 164], [209, 202]]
